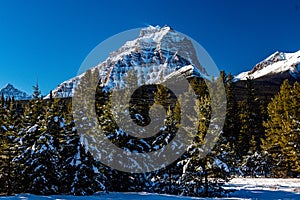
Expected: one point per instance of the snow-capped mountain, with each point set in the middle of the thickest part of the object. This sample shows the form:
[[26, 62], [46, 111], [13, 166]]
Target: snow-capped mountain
[[157, 52], [10, 91], [278, 64]]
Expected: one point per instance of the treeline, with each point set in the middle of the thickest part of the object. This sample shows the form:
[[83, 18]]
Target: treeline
[[267, 142], [42, 152]]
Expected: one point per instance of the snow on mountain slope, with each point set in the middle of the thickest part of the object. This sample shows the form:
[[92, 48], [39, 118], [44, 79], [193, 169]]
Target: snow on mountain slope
[[277, 63], [156, 53], [10, 91]]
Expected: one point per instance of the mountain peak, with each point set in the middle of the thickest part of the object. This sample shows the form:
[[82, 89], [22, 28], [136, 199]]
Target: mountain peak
[[8, 85], [10, 91], [156, 53], [152, 29], [276, 63], [160, 39], [273, 58]]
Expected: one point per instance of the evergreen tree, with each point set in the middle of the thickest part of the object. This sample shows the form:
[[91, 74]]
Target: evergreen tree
[[251, 131], [87, 177], [36, 91], [11, 124], [41, 159], [84, 106], [34, 124], [251, 121], [282, 130], [202, 175], [232, 122], [5, 143], [81, 174]]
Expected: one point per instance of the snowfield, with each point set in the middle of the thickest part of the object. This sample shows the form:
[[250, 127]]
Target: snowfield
[[248, 188], [265, 188]]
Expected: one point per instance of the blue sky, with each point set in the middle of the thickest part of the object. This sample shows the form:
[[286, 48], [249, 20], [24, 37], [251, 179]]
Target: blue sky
[[48, 40]]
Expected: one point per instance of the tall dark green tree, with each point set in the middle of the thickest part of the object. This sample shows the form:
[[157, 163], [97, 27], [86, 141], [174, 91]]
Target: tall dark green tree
[[252, 130], [282, 140], [232, 121], [11, 124], [202, 173], [81, 175], [40, 159], [33, 121]]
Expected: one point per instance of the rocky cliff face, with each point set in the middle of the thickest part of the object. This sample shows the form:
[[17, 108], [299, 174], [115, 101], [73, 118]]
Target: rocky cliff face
[[156, 54], [279, 64]]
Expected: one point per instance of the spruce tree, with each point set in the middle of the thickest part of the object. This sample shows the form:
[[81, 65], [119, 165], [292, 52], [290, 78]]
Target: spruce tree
[[83, 142], [203, 174], [81, 174], [5, 152], [33, 121], [14, 125], [11, 124], [232, 121], [252, 130], [36, 91], [41, 159], [282, 131]]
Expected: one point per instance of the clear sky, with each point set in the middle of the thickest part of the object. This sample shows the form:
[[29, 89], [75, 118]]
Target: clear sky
[[47, 40]]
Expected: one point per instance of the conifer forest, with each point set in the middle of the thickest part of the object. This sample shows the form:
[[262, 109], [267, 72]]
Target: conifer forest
[[41, 151]]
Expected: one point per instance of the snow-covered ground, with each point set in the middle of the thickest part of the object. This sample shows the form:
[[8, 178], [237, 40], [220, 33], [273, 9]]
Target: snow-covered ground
[[248, 188], [265, 188]]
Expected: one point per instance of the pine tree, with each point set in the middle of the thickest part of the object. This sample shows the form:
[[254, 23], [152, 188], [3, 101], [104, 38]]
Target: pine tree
[[14, 125], [81, 174], [282, 131], [36, 91], [33, 121], [11, 124], [202, 175], [251, 129], [41, 159], [83, 142], [232, 122], [84, 106], [251, 121], [166, 116], [5, 172], [195, 166]]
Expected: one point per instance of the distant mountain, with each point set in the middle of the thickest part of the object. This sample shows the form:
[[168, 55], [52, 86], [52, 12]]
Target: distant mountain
[[269, 74], [279, 64], [10, 91], [157, 52]]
